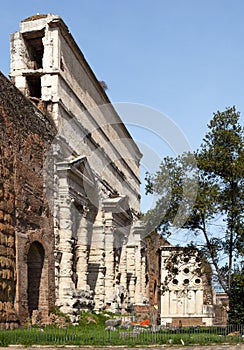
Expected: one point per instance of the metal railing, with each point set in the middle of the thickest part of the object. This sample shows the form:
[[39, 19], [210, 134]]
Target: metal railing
[[98, 335]]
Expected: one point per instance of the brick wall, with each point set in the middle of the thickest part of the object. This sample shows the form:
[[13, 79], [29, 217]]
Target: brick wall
[[154, 241], [8, 316], [25, 219]]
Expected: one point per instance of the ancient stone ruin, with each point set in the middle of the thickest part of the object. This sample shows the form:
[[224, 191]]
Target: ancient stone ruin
[[70, 234], [70, 200]]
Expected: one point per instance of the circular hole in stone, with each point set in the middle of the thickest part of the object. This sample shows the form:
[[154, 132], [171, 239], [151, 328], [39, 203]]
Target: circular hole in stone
[[197, 280], [186, 281], [186, 270], [175, 281]]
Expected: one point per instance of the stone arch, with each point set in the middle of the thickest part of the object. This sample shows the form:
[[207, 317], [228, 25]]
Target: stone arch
[[35, 264]]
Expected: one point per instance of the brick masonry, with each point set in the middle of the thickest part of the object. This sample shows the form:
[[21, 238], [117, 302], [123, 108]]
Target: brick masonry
[[153, 242], [25, 135]]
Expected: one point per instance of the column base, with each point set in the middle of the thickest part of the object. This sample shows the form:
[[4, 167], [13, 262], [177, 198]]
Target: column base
[[74, 301]]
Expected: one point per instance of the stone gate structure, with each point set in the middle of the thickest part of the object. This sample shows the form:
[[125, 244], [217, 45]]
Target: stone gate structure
[[78, 240]]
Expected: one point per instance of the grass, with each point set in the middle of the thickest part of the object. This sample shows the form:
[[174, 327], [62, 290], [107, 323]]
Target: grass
[[95, 335]]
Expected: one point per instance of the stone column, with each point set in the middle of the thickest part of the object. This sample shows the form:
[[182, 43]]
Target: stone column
[[65, 248], [123, 264], [140, 265], [100, 290], [131, 271], [81, 251], [109, 262], [96, 272], [64, 240]]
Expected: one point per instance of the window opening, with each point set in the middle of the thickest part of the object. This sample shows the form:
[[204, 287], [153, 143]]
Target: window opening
[[35, 49], [34, 86]]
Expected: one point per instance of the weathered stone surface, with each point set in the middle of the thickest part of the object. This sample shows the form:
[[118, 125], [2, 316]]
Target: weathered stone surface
[[81, 235], [69, 228], [113, 322]]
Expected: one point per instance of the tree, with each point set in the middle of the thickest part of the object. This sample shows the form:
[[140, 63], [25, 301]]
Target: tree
[[220, 195], [236, 297]]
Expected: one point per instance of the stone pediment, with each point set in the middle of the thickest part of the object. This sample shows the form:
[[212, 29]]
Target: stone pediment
[[118, 206], [81, 166], [78, 166], [119, 202], [78, 180]]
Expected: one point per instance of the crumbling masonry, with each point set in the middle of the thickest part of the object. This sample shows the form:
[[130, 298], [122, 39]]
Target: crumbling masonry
[[26, 227], [70, 232]]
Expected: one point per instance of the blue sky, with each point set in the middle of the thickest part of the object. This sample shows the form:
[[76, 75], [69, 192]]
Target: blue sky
[[184, 58]]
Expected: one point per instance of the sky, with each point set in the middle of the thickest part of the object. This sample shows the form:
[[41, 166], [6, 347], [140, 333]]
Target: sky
[[182, 58]]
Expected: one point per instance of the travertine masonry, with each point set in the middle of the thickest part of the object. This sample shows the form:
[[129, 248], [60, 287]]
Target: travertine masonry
[[92, 174]]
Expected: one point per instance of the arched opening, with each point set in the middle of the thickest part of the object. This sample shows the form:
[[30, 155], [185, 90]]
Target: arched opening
[[35, 261]]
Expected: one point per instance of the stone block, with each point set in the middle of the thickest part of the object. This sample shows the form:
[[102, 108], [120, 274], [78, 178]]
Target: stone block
[[113, 322]]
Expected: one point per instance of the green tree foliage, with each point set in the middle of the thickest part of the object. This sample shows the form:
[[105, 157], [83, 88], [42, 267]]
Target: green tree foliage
[[236, 298], [193, 198]]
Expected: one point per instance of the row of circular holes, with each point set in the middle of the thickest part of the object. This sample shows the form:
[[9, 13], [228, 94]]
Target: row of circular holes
[[186, 281], [186, 271]]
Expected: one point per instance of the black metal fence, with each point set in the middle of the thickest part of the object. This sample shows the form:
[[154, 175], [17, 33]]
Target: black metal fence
[[98, 335]]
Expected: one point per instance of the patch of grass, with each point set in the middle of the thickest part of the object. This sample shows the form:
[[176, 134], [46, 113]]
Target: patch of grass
[[4, 341], [95, 334]]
